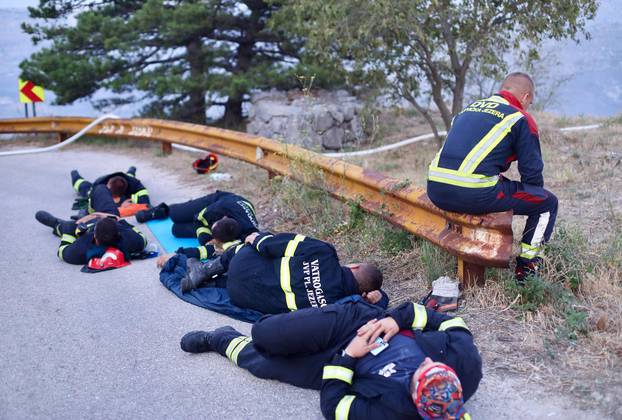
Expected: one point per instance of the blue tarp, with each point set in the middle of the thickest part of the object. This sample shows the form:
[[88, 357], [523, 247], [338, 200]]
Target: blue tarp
[[213, 298], [217, 298]]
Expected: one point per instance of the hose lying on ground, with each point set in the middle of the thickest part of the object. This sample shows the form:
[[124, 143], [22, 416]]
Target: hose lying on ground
[[62, 144]]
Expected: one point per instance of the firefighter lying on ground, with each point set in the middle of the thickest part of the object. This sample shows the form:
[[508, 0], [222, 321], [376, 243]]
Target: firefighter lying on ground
[[484, 140], [89, 236], [124, 187], [284, 272], [198, 218], [429, 368]]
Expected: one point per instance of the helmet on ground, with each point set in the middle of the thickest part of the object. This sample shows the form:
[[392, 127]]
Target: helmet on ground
[[209, 164], [112, 258]]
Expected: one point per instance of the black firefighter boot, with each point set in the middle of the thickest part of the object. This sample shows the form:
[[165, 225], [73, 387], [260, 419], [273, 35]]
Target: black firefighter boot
[[158, 212], [202, 341], [198, 273], [55, 223]]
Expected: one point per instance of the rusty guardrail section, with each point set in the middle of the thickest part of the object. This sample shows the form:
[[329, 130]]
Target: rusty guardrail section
[[477, 241]]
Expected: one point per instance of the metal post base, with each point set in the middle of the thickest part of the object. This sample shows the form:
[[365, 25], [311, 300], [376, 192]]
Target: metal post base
[[471, 274]]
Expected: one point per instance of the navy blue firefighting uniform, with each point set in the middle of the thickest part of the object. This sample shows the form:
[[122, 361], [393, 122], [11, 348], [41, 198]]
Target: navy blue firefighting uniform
[[136, 191], [77, 240], [303, 348], [195, 218], [484, 140], [286, 272]]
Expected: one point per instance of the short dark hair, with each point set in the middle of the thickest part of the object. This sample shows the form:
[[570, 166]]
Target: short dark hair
[[107, 232], [226, 230], [117, 185], [518, 75], [368, 277]]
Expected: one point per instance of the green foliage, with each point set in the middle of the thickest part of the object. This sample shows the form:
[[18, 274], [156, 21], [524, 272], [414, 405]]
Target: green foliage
[[375, 234], [567, 260], [567, 257], [395, 240], [423, 50], [356, 215], [533, 293], [178, 57], [313, 205], [537, 292], [436, 262]]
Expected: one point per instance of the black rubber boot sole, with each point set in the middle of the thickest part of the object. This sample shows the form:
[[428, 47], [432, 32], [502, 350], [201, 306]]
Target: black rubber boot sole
[[46, 219]]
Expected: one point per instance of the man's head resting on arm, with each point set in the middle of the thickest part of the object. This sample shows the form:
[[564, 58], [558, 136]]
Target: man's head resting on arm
[[117, 186], [520, 85], [437, 392], [106, 232], [368, 276], [226, 230]]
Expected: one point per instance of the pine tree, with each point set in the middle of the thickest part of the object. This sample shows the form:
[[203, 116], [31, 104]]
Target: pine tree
[[177, 57]]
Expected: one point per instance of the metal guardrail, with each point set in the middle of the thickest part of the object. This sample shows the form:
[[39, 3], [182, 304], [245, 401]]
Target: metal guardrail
[[477, 241]]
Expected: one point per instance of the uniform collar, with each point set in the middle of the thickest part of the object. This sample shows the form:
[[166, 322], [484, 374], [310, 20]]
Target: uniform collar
[[509, 96], [350, 286]]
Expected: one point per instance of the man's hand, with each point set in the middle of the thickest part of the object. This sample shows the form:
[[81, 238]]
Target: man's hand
[[251, 238], [86, 218], [387, 327], [361, 344], [372, 297], [92, 216], [127, 203], [162, 259]]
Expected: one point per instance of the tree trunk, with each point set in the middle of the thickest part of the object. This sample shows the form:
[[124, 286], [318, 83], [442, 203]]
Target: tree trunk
[[196, 106], [233, 108], [233, 112]]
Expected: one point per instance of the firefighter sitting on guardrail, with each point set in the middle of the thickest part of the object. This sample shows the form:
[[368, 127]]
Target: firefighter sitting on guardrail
[[90, 236], [222, 215], [284, 272], [484, 140], [124, 186]]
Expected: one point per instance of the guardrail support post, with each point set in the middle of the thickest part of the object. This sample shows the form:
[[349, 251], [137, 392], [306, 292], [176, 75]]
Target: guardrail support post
[[61, 137], [167, 147], [471, 274]]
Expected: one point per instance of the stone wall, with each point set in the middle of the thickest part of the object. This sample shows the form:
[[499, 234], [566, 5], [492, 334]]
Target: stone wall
[[327, 120]]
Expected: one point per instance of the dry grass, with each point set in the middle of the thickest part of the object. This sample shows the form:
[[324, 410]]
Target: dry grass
[[552, 335]]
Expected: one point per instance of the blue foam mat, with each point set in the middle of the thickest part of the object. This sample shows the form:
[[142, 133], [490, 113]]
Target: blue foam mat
[[162, 230]]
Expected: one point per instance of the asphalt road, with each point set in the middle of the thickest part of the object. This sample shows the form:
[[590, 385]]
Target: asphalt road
[[106, 345]]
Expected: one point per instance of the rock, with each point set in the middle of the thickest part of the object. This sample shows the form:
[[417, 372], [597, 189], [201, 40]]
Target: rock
[[333, 138], [357, 129], [601, 323], [348, 112], [324, 119], [278, 124], [335, 114]]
